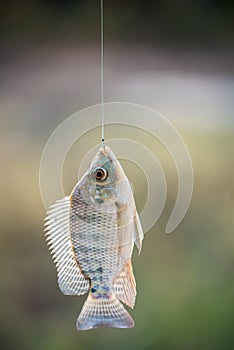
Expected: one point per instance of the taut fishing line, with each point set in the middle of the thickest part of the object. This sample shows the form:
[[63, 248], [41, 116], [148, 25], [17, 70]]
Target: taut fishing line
[[101, 205], [102, 71], [121, 113]]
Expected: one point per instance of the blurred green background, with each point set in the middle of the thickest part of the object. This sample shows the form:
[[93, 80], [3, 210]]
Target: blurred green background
[[174, 56]]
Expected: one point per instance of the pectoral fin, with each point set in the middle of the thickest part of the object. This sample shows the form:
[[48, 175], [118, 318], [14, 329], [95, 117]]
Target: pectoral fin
[[138, 232]]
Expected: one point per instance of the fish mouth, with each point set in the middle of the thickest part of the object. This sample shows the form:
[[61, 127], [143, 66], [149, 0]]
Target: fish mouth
[[106, 151]]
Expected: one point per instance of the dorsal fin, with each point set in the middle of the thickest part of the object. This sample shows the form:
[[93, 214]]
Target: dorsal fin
[[70, 279]]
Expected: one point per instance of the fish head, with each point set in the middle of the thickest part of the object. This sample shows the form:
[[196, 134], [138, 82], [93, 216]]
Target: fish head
[[103, 167], [106, 177]]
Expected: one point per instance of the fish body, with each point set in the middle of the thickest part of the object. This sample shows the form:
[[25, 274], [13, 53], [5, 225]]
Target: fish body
[[91, 235]]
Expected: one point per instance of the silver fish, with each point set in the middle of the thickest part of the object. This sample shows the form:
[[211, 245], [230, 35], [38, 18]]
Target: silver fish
[[91, 234]]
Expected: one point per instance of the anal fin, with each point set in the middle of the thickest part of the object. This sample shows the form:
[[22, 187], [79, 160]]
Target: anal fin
[[125, 286]]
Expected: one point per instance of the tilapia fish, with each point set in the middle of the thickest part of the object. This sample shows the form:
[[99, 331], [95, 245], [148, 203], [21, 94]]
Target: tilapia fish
[[91, 234]]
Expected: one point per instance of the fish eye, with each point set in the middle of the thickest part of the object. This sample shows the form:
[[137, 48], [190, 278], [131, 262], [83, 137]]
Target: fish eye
[[100, 174]]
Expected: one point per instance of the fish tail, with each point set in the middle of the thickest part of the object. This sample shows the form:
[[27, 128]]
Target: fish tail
[[103, 313]]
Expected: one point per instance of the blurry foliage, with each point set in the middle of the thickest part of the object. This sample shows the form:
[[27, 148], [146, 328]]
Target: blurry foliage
[[207, 23], [185, 280]]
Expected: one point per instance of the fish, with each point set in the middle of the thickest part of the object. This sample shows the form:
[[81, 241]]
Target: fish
[[91, 235]]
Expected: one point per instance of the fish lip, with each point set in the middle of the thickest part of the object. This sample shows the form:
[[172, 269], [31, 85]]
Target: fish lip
[[106, 151]]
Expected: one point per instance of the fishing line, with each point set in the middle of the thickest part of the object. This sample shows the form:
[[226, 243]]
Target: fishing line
[[102, 72]]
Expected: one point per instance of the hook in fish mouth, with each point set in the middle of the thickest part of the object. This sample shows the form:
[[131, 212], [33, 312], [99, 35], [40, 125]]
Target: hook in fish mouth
[[106, 151]]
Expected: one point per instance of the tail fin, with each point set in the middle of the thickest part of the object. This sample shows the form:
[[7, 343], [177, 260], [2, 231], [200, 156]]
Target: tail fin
[[103, 313]]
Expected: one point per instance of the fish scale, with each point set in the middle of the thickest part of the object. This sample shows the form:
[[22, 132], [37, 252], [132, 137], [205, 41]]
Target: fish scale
[[95, 249]]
